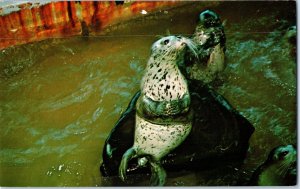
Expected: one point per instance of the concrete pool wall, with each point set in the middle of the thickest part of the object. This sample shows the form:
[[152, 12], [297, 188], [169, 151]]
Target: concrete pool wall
[[28, 21], [61, 97]]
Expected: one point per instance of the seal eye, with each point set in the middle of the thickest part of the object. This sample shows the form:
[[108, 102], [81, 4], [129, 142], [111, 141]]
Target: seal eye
[[282, 154], [166, 41]]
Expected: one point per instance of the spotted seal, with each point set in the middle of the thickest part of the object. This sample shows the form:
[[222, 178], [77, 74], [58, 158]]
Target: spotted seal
[[278, 170], [210, 38], [163, 119]]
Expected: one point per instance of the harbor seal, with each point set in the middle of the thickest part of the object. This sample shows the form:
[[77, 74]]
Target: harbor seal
[[219, 137], [209, 36], [279, 169], [163, 116]]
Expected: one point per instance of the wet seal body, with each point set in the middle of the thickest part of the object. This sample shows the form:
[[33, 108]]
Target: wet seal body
[[163, 117], [219, 136], [279, 169], [209, 36]]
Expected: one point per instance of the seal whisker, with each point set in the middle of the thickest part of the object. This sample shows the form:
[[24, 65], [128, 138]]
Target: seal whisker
[[193, 47], [168, 53], [280, 169], [284, 167], [283, 171]]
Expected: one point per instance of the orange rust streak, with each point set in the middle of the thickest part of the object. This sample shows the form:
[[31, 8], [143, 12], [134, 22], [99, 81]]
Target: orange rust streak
[[3, 29], [25, 21], [87, 11], [102, 15], [27, 18], [60, 11], [14, 21], [107, 13], [73, 10], [46, 16], [34, 18]]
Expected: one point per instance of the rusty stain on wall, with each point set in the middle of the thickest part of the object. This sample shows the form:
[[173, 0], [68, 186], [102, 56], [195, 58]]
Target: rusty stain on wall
[[34, 22]]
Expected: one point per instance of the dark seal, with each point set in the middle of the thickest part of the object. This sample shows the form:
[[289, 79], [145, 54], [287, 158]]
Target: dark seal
[[209, 36]]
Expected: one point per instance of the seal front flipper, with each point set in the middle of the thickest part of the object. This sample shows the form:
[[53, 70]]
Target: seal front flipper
[[158, 174], [128, 155]]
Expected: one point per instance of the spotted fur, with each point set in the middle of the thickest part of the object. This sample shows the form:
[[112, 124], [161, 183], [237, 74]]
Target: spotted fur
[[158, 140], [164, 96], [163, 81]]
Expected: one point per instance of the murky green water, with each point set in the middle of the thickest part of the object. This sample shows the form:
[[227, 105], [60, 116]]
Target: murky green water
[[61, 97]]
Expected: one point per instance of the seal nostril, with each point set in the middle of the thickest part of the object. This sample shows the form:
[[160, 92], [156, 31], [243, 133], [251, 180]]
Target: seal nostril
[[166, 41]]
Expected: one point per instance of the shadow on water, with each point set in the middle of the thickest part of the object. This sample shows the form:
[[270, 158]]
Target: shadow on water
[[61, 97]]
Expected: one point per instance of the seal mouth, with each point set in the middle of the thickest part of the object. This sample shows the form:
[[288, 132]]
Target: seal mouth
[[190, 44]]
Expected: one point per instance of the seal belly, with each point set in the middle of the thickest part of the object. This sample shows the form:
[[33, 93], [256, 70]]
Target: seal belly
[[159, 140]]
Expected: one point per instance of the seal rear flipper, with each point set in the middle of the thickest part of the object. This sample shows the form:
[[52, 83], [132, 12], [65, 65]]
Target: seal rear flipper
[[158, 174], [119, 140], [128, 155]]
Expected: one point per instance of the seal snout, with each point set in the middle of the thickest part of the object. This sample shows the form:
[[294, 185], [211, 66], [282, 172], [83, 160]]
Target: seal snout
[[171, 43], [181, 42]]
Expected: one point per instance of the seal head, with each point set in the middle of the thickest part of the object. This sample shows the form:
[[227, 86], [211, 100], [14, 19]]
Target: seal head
[[279, 169], [209, 18]]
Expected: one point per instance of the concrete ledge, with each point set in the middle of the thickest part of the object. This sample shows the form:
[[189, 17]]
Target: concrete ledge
[[28, 21], [34, 20]]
